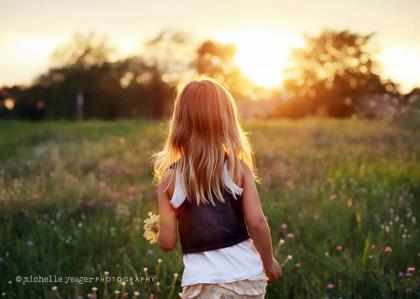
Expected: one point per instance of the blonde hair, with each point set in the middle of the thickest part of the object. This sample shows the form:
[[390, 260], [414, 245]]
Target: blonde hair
[[204, 127]]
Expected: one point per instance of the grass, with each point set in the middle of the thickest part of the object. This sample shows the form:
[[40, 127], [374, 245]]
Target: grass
[[341, 197]]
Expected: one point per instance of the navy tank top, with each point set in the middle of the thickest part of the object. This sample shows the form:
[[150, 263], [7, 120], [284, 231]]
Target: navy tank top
[[208, 227]]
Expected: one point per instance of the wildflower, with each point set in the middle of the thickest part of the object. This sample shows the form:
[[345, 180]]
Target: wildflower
[[123, 284], [297, 265], [373, 246], [339, 247], [330, 286], [388, 249], [349, 202], [102, 184], [411, 269], [1, 259], [106, 273], [358, 216], [284, 226], [136, 294], [131, 189], [54, 288], [116, 292], [91, 202], [150, 251], [151, 228], [401, 274], [408, 290], [290, 235], [29, 243], [286, 260], [159, 261], [94, 289]]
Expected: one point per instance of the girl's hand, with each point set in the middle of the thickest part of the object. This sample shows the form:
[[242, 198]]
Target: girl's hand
[[273, 271]]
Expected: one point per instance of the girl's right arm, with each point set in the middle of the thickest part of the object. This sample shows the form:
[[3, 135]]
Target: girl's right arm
[[167, 235], [257, 224]]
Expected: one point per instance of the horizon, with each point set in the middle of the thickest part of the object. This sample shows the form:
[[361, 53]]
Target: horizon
[[263, 34]]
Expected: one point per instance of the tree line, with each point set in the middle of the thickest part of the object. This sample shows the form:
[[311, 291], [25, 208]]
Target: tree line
[[334, 74]]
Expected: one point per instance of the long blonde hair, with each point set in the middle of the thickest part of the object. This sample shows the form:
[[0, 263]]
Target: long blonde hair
[[203, 129]]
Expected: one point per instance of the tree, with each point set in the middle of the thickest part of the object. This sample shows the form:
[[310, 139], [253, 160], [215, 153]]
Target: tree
[[82, 51], [172, 53], [128, 87], [217, 60], [331, 75]]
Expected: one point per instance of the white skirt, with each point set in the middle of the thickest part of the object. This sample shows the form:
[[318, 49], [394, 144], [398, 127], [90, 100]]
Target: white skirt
[[254, 288]]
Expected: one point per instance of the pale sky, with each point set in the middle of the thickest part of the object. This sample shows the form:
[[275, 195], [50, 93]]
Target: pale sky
[[263, 30]]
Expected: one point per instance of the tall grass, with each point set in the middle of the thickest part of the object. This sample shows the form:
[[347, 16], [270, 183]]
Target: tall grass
[[342, 199]]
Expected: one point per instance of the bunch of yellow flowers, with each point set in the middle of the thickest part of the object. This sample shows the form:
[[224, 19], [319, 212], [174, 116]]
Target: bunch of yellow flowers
[[151, 228]]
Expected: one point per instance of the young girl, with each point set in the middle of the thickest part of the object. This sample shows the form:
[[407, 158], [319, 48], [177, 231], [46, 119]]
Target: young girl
[[207, 193]]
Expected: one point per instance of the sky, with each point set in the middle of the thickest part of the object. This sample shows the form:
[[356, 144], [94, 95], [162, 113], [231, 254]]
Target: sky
[[263, 30]]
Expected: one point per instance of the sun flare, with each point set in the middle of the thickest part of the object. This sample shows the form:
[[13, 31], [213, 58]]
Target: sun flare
[[261, 54]]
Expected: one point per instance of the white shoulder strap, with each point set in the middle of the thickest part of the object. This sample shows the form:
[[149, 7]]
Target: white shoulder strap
[[229, 183], [179, 191]]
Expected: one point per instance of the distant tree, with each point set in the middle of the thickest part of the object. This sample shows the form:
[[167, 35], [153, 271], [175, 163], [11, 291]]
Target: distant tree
[[172, 53], [217, 60], [82, 51], [76, 68], [331, 75], [128, 87]]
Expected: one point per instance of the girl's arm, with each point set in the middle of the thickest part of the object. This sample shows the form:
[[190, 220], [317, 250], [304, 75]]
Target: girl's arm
[[257, 224], [167, 236]]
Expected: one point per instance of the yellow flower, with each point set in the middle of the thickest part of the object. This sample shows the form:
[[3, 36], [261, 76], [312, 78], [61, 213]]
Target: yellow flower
[[358, 217], [151, 228]]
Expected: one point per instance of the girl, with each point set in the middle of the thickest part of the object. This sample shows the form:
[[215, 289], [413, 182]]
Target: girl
[[207, 192]]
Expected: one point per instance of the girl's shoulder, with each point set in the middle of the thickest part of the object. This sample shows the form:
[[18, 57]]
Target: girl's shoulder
[[167, 184], [244, 173]]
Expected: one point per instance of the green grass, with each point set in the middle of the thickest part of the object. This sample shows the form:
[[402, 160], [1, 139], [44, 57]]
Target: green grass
[[73, 197]]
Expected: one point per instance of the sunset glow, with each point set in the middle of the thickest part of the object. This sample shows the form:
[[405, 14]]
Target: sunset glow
[[262, 53]]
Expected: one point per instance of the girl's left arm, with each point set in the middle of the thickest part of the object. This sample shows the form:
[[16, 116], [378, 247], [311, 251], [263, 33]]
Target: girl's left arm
[[167, 236]]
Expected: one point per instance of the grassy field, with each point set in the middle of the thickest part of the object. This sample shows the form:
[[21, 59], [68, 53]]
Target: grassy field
[[342, 199]]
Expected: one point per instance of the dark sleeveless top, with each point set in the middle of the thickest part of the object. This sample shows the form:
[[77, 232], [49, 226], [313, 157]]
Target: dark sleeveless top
[[208, 227]]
